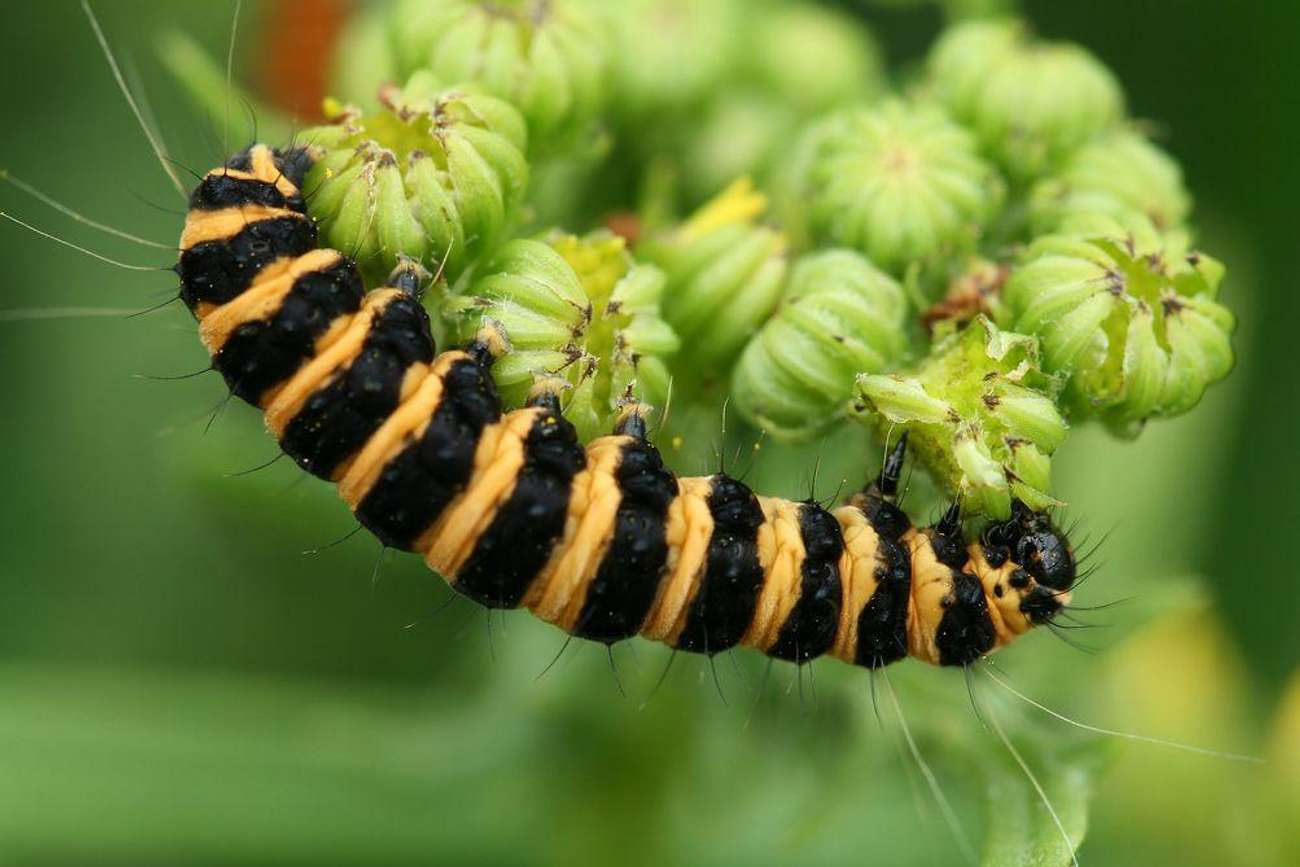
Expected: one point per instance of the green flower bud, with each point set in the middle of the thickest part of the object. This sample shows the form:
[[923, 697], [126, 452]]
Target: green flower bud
[[839, 317], [363, 61], [579, 309], [1131, 323], [437, 174], [668, 55], [900, 182], [796, 61], [725, 273], [964, 56], [980, 414], [811, 58], [1121, 172], [740, 134], [1031, 103], [547, 57]]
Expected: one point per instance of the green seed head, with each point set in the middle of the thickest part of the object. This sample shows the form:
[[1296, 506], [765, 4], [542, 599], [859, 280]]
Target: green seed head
[[1031, 103], [547, 57], [1120, 172], [579, 309], [980, 415], [839, 317], [900, 182], [1129, 320], [435, 174], [725, 274]]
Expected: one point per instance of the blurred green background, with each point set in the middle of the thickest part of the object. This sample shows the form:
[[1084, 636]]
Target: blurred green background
[[180, 684]]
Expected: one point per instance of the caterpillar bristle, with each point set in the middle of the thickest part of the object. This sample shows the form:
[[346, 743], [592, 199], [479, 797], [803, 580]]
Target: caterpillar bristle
[[85, 251], [154, 142], [46, 199]]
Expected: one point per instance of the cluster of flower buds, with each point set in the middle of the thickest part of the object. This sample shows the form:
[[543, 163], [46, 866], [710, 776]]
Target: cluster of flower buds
[[546, 57], [437, 175], [1110, 316], [578, 309], [977, 261], [1031, 103], [1128, 319]]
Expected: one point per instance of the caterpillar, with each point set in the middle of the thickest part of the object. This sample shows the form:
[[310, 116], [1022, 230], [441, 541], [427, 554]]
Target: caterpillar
[[603, 541]]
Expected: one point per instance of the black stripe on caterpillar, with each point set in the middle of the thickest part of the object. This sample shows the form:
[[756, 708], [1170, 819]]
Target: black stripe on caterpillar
[[603, 541]]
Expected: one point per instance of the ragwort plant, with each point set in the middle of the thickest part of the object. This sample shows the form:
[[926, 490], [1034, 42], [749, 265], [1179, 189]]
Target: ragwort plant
[[983, 255]]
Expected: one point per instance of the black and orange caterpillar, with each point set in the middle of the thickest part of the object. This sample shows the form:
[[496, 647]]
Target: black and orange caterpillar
[[602, 541]]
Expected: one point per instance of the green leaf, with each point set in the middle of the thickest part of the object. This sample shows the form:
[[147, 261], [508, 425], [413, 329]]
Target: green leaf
[[1020, 832], [205, 83], [105, 766]]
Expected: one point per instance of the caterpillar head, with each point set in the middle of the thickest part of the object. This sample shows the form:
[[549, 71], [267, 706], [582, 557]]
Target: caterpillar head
[[1042, 549], [1039, 562]]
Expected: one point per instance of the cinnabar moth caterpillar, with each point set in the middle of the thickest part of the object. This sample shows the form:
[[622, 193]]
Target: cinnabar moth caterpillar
[[603, 541]]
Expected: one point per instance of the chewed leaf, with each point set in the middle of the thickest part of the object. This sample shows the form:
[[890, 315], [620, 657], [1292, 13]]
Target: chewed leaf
[[981, 415], [903, 400], [579, 308]]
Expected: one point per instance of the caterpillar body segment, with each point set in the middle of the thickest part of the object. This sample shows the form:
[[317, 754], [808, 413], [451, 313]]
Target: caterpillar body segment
[[247, 220], [602, 540]]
